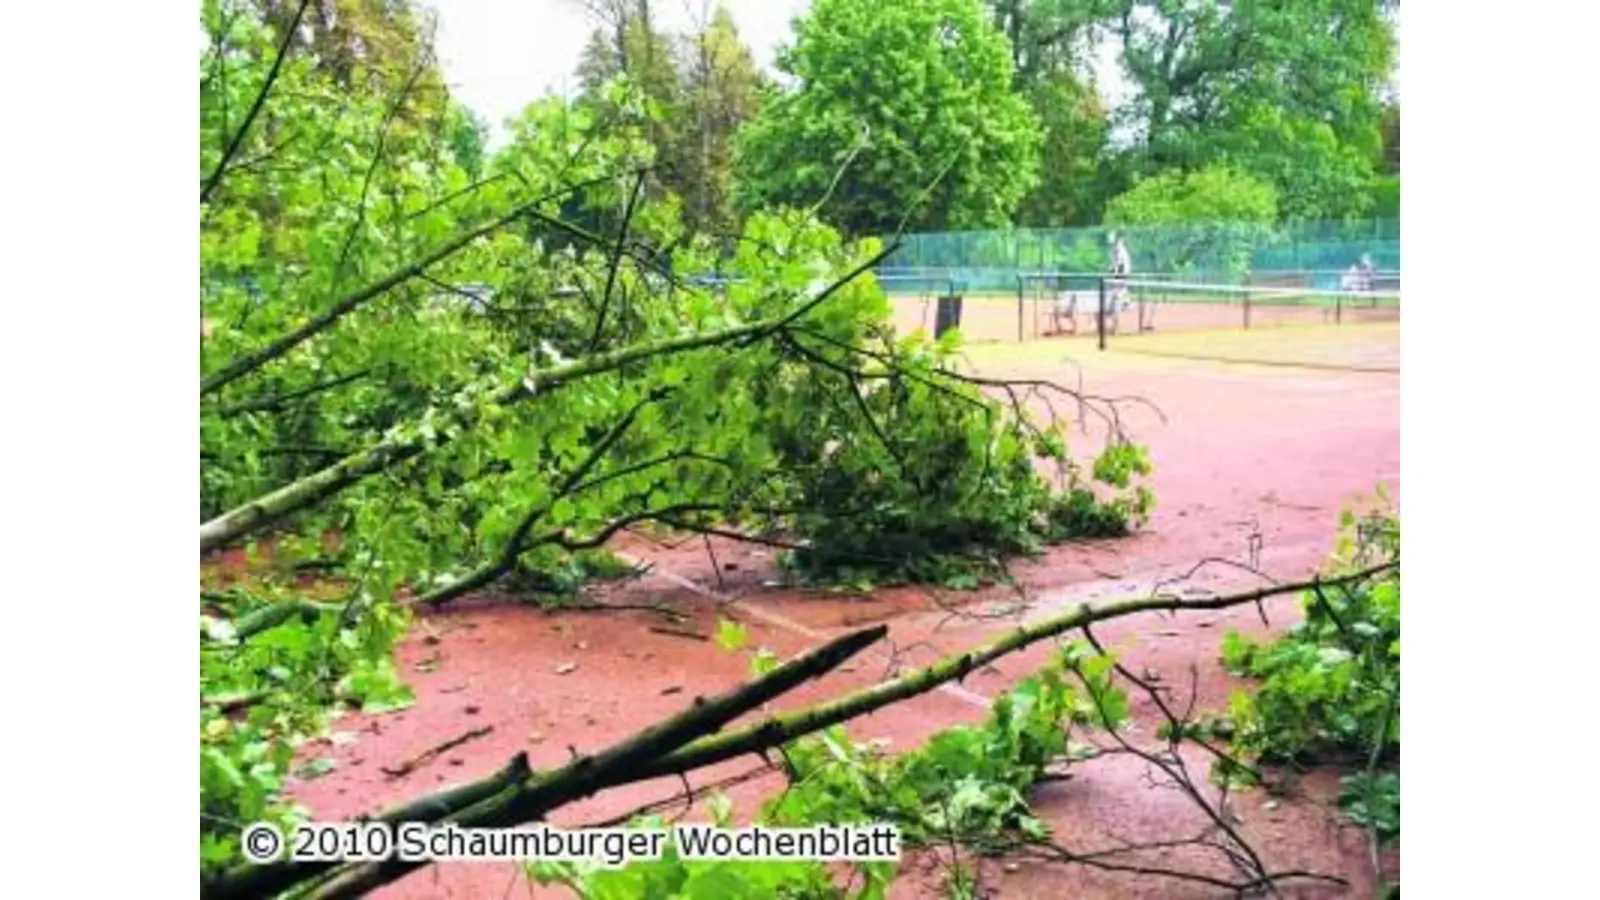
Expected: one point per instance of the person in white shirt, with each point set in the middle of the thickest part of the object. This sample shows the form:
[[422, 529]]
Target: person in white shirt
[[1351, 279], [1122, 267], [1121, 262]]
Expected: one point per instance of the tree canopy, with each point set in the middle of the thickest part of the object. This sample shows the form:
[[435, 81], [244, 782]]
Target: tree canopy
[[1227, 211], [898, 110], [1290, 93]]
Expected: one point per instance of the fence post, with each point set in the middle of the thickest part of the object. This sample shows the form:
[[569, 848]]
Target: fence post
[[1100, 318]]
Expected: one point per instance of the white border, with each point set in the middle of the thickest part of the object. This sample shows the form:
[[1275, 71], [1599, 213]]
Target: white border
[[98, 360], [1502, 623]]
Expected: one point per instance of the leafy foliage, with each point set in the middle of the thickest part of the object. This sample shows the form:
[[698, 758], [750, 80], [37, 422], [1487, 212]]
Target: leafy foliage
[[967, 785], [323, 339], [946, 482], [1232, 212], [1386, 196], [1288, 93], [702, 87], [1329, 690], [916, 96], [1074, 175]]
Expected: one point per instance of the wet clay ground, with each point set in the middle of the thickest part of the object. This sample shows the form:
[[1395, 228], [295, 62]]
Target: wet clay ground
[[1252, 465]]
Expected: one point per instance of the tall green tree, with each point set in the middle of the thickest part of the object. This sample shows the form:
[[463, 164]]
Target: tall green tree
[[1074, 171], [366, 45], [1227, 215], [1052, 43], [1288, 92], [1051, 37], [900, 112], [628, 43], [721, 92], [1389, 159]]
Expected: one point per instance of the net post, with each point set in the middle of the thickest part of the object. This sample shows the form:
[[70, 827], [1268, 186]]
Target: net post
[[1246, 309], [1020, 314], [1338, 309], [1100, 318]]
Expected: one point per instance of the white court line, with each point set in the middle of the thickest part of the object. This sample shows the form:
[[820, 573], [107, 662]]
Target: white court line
[[1048, 605], [1257, 290], [778, 620]]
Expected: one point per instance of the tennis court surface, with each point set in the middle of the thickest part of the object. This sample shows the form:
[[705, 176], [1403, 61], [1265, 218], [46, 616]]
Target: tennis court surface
[[1267, 326]]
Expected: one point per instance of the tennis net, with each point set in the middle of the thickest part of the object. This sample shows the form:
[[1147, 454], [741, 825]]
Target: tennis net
[[1267, 325]]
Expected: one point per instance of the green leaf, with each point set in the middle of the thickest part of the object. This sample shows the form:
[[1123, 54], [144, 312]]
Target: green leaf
[[721, 808], [731, 635], [763, 662]]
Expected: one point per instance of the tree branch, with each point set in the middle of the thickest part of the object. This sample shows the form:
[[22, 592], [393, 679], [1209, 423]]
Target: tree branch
[[253, 360], [616, 261], [532, 798], [255, 108], [278, 401], [781, 729], [517, 542], [298, 495]]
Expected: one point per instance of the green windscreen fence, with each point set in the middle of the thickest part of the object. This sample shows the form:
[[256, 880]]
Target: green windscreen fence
[[1314, 255]]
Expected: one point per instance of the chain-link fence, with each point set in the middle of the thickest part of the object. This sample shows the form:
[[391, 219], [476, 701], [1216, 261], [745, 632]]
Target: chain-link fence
[[1223, 252]]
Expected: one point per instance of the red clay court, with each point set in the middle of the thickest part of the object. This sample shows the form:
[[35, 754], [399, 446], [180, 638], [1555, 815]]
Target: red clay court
[[1253, 463]]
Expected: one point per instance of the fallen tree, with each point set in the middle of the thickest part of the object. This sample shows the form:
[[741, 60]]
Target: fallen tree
[[687, 742], [418, 385], [415, 385]]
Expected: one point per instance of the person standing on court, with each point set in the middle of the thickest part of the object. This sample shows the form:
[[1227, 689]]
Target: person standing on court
[[1121, 268]]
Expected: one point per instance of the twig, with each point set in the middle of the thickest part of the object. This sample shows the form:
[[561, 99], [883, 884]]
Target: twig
[[429, 755], [680, 632], [716, 568], [278, 401], [688, 793], [615, 262]]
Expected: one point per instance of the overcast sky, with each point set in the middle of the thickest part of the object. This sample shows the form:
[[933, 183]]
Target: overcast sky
[[499, 55]]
